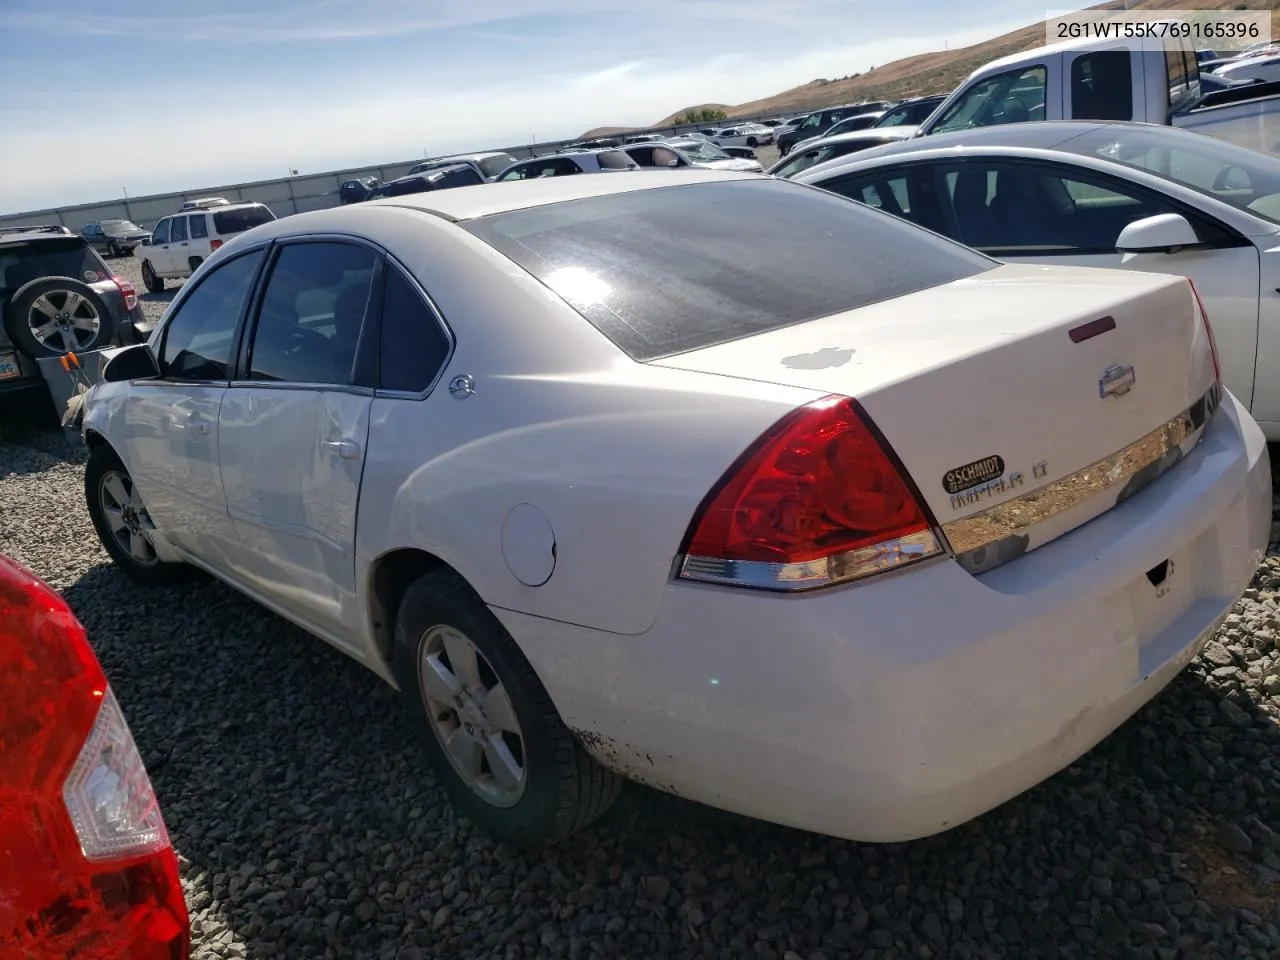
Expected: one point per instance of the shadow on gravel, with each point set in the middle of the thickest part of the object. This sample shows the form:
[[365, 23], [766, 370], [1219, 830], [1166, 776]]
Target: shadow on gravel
[[164, 296], [311, 827], [35, 432]]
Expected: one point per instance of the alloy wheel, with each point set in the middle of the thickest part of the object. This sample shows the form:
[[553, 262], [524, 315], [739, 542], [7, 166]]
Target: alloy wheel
[[472, 716], [63, 321], [128, 519]]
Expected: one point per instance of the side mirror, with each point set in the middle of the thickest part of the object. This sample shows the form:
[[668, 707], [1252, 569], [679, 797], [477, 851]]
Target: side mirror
[[1163, 233], [132, 363]]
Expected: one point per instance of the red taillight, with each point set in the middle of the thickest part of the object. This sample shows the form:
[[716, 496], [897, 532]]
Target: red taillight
[[128, 291], [819, 499], [214, 244], [86, 868], [1208, 329]]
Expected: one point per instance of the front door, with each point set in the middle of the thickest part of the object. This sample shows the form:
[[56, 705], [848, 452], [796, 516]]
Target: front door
[[171, 423], [158, 250], [293, 428]]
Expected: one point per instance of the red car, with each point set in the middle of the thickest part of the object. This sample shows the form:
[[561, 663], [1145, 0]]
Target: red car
[[87, 871]]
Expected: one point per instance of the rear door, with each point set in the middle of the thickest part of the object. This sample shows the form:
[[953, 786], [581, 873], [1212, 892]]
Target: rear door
[[293, 427]]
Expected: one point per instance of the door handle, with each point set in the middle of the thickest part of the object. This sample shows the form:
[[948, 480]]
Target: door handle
[[199, 427], [345, 449]]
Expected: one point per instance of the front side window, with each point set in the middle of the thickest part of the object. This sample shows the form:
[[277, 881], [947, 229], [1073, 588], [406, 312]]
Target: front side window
[[1023, 209], [312, 312], [197, 339], [702, 285], [1012, 97], [162, 232]]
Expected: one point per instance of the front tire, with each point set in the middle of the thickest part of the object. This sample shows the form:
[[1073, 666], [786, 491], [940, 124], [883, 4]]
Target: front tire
[[489, 728], [150, 279], [752, 142], [122, 522]]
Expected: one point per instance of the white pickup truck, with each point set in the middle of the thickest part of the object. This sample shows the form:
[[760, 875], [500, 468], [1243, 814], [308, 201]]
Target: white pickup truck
[[1140, 79]]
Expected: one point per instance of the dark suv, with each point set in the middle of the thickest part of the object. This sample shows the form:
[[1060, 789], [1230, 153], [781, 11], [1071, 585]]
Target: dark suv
[[114, 238], [57, 296], [818, 123], [457, 175]]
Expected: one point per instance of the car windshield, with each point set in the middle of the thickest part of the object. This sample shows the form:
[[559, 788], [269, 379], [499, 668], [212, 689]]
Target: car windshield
[[1245, 179], [822, 255], [59, 257], [805, 159], [120, 226], [492, 166], [241, 219], [702, 150]]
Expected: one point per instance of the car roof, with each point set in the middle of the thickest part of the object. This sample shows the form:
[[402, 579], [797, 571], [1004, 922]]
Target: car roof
[[902, 132], [466, 203], [25, 233], [1034, 135]]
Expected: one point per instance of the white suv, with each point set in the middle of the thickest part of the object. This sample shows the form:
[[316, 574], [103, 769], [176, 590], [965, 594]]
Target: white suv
[[181, 242]]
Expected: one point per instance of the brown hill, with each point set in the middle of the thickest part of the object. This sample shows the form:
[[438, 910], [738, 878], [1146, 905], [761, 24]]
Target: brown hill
[[940, 72]]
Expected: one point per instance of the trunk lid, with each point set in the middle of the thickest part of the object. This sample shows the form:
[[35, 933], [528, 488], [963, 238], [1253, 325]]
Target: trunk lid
[[1014, 429]]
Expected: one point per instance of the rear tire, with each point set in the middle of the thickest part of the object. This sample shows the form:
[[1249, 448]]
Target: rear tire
[[122, 522], [194, 263], [532, 786], [150, 279]]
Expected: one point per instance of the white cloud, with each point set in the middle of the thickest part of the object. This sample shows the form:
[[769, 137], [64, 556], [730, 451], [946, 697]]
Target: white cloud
[[245, 137]]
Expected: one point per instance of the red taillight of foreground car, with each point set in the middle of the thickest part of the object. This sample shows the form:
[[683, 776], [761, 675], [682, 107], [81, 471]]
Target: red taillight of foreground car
[[128, 291], [1208, 329], [214, 244], [819, 499], [86, 868]]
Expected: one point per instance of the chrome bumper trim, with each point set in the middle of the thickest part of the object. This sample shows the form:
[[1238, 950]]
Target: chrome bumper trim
[[992, 537]]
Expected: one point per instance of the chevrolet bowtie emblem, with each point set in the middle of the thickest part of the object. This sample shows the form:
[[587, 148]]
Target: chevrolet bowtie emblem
[[1116, 381]]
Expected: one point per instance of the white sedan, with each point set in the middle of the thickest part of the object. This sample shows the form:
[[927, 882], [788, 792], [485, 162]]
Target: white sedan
[[744, 135], [837, 524], [1137, 196]]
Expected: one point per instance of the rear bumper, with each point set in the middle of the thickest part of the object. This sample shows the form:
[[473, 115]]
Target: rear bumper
[[905, 706]]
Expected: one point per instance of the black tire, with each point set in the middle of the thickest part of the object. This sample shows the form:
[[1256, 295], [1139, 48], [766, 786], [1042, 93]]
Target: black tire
[[150, 280], [112, 251], [194, 263], [18, 310], [784, 147], [103, 463], [752, 142], [565, 789]]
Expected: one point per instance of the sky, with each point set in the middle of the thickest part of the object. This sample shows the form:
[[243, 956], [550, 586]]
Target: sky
[[152, 96]]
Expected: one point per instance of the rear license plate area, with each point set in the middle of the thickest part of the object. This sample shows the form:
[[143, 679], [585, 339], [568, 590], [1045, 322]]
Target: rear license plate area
[[9, 366]]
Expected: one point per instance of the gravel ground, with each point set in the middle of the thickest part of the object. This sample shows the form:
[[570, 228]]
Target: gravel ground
[[308, 827]]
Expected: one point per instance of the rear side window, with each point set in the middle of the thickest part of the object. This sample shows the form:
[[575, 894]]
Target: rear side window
[[703, 285], [1102, 86], [413, 345], [240, 219], [492, 166]]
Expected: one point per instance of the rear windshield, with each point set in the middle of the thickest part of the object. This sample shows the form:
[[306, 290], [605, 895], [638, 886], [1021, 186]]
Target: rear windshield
[[242, 219], [68, 257], [716, 276], [492, 166]]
